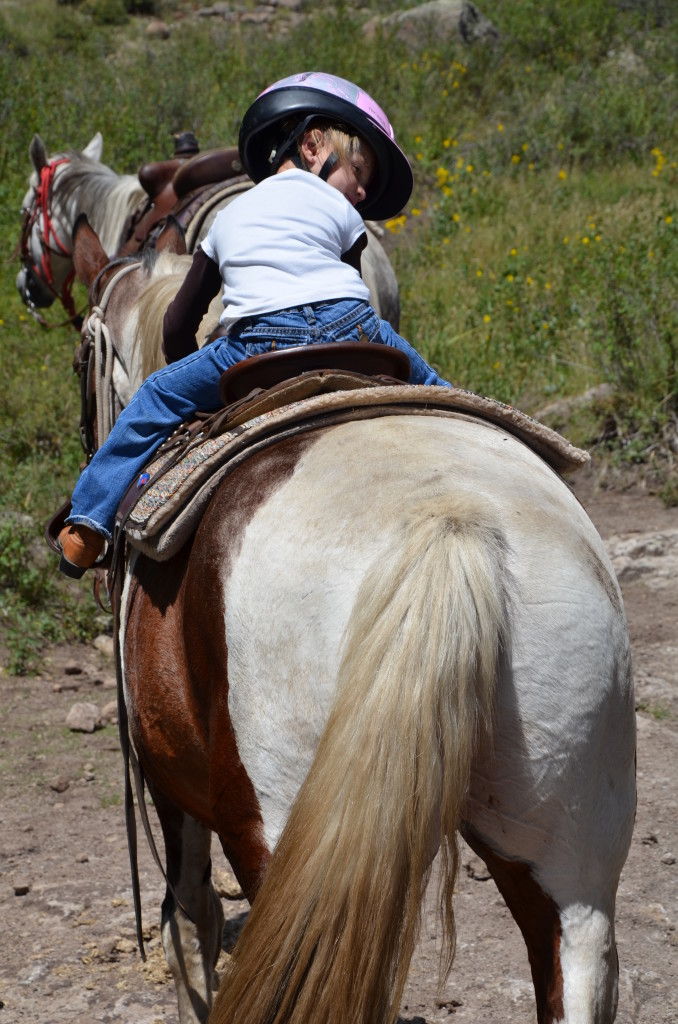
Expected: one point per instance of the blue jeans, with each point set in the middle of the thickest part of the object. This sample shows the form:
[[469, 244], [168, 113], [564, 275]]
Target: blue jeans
[[174, 394]]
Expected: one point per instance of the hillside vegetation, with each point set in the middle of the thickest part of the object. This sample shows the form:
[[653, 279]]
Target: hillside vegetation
[[537, 259]]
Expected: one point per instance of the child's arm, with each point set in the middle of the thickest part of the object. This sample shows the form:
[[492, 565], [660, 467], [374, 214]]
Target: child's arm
[[352, 257], [187, 308]]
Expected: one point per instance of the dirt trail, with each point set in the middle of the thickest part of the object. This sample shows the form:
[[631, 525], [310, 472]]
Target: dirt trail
[[67, 947]]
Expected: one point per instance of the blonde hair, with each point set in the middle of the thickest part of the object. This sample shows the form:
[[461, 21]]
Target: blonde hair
[[339, 136]]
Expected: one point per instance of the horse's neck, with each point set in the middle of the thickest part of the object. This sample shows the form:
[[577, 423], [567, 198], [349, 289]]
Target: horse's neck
[[123, 199], [107, 208]]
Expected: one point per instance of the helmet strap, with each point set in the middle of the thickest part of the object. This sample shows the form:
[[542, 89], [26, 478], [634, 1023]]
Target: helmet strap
[[281, 153], [328, 166]]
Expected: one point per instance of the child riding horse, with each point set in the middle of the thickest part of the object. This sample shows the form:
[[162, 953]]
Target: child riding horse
[[288, 256]]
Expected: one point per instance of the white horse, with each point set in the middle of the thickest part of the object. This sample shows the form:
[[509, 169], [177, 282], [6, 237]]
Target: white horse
[[385, 631], [73, 183], [60, 189]]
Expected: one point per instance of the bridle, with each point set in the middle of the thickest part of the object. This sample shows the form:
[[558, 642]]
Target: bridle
[[38, 213]]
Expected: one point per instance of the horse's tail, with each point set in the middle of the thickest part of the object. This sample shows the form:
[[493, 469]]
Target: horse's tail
[[332, 930]]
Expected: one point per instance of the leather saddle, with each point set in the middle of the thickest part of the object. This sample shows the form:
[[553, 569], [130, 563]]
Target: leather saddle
[[167, 183], [259, 373]]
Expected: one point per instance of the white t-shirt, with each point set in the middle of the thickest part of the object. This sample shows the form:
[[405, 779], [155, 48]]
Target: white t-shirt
[[280, 244]]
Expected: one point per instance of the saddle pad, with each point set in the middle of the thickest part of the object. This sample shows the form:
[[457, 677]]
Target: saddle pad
[[164, 514]]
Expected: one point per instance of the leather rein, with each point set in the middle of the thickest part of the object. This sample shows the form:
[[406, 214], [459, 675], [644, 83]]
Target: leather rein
[[36, 214], [99, 345]]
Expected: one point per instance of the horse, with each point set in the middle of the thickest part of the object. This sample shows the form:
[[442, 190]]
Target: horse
[[384, 632], [60, 189], [74, 183]]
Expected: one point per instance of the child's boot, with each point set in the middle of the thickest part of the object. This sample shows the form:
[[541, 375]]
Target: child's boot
[[80, 548]]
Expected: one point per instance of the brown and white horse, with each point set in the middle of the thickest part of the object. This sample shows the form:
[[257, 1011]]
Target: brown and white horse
[[383, 633]]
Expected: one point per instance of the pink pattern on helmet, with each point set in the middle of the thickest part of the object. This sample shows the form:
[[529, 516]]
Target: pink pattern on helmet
[[336, 86]]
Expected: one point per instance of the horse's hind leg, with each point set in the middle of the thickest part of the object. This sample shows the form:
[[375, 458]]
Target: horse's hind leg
[[574, 949], [192, 943]]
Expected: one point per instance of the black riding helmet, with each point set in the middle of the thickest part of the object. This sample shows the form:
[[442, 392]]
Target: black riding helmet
[[302, 98]]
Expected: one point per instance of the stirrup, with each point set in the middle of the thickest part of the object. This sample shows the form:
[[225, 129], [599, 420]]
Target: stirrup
[[75, 572]]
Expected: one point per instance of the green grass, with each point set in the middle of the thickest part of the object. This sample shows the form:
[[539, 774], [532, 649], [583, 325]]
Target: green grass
[[537, 258]]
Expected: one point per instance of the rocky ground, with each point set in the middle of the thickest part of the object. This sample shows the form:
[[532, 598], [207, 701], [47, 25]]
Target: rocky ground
[[67, 946]]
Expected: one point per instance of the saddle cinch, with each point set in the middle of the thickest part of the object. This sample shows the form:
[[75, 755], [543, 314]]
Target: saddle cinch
[[280, 394]]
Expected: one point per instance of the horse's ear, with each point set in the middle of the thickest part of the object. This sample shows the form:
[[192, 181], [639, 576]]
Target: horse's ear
[[89, 256], [38, 153], [94, 147], [172, 237]]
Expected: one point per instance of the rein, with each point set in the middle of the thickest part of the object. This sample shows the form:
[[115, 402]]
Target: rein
[[40, 209], [99, 335]]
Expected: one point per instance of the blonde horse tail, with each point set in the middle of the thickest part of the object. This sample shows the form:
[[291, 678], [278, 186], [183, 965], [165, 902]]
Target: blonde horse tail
[[332, 931]]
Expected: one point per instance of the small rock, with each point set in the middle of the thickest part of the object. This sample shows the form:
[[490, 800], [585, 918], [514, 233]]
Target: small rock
[[226, 885], [668, 858], [65, 685], [72, 669], [477, 870], [255, 17], [21, 888], [82, 858], [60, 784], [104, 644], [109, 713], [125, 946], [158, 30], [218, 10], [83, 717]]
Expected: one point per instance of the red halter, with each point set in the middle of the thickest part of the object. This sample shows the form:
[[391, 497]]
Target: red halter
[[42, 207]]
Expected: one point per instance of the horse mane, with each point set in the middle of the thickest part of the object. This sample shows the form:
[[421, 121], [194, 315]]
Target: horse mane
[[106, 197], [167, 271]]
